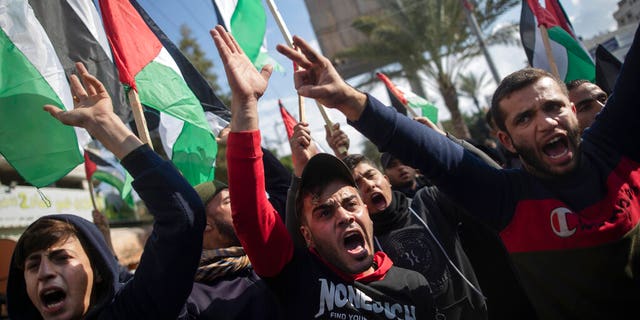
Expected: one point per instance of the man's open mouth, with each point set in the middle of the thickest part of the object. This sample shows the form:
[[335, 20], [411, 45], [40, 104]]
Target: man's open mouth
[[354, 243], [556, 147], [378, 201], [52, 299]]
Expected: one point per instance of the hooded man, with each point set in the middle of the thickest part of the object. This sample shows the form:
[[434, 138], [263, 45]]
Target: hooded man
[[62, 268]]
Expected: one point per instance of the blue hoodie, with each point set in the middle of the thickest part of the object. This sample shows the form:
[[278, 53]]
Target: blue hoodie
[[164, 277]]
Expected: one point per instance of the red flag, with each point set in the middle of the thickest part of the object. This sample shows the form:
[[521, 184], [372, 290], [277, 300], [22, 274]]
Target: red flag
[[394, 90], [89, 166], [288, 119], [551, 15]]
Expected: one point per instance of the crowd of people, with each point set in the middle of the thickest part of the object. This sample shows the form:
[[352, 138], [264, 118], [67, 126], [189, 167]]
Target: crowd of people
[[439, 231]]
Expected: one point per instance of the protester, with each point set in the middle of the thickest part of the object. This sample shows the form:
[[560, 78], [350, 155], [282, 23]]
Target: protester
[[569, 217], [338, 276], [226, 287], [62, 267], [402, 177], [400, 230], [588, 98]]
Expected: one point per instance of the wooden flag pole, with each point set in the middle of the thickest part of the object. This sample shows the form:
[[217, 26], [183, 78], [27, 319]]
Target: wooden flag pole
[[329, 124], [301, 111], [93, 197], [287, 37], [547, 49], [138, 116]]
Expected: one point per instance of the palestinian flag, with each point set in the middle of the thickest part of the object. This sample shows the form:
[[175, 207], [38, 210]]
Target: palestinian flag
[[571, 58], [147, 67], [76, 32], [247, 22], [99, 167], [38, 146], [408, 99], [217, 114]]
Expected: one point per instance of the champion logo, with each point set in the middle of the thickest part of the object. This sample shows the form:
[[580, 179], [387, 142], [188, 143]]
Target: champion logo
[[559, 223]]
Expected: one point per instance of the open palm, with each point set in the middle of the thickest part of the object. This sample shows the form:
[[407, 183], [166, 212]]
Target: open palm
[[246, 83], [91, 101]]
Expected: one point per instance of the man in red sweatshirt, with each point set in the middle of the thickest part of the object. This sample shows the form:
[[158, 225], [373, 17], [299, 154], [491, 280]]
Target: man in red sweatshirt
[[338, 275]]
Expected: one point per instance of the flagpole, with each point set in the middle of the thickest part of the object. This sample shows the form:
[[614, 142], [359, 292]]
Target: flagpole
[[138, 116], [287, 37], [327, 121], [547, 49], [91, 192], [473, 23]]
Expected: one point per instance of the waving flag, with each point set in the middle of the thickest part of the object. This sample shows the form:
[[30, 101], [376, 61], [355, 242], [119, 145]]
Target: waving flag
[[571, 58], [75, 30], [147, 67], [288, 120], [38, 146], [409, 99], [217, 114], [99, 168], [247, 22]]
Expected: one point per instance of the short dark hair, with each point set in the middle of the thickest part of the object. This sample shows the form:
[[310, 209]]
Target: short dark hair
[[353, 160], [576, 83], [514, 82], [43, 234], [46, 232]]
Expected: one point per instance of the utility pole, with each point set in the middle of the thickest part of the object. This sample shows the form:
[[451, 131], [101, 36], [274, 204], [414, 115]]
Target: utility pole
[[473, 23]]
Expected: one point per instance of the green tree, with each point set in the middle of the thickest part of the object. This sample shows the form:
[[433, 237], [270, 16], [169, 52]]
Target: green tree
[[191, 49], [430, 37]]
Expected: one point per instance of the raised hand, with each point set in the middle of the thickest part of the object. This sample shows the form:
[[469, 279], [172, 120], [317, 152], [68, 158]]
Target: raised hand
[[302, 147], [337, 140], [91, 104], [93, 111], [318, 79], [246, 83]]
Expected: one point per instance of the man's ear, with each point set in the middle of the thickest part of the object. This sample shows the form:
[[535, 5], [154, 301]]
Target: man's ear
[[306, 234], [209, 226], [506, 141], [573, 108]]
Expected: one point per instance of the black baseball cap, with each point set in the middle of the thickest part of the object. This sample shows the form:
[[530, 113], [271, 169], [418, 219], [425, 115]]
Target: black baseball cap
[[322, 169]]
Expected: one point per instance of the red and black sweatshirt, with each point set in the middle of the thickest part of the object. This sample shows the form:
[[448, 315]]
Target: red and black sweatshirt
[[574, 239]]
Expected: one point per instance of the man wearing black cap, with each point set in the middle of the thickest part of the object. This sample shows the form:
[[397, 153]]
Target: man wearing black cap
[[338, 276]]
